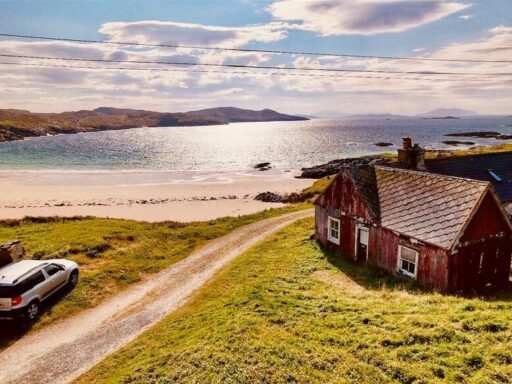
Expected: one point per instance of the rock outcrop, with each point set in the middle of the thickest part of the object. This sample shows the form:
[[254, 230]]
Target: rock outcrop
[[333, 167], [11, 252]]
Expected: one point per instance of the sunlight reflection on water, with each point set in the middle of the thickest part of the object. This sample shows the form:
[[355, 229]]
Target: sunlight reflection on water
[[234, 147]]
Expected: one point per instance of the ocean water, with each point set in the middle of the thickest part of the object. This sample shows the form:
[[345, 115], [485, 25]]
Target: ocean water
[[235, 147]]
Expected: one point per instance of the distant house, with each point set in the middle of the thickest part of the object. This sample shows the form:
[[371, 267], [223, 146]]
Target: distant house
[[495, 168], [450, 234]]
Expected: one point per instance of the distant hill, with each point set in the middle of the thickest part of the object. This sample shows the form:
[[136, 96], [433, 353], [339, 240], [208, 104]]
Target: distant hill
[[378, 116], [449, 112], [16, 124], [237, 115]]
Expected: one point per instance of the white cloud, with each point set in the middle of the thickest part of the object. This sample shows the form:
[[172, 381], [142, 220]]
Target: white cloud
[[496, 46], [182, 90], [168, 32], [363, 17], [465, 17]]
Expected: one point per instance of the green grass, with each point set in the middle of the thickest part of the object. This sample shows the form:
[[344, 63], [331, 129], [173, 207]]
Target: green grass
[[288, 311], [318, 186], [477, 150], [114, 254]]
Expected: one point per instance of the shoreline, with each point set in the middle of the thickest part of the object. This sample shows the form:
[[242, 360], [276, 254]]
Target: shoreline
[[146, 196]]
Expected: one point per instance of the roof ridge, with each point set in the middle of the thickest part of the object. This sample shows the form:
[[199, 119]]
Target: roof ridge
[[431, 175]]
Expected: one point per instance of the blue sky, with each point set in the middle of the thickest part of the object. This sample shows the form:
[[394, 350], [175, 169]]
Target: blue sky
[[427, 28]]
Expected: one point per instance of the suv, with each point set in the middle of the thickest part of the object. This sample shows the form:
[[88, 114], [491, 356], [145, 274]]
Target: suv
[[27, 283]]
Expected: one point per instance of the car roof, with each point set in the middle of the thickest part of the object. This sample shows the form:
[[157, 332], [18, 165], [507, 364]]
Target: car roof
[[12, 272]]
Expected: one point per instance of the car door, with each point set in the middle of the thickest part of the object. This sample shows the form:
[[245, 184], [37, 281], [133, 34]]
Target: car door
[[56, 276]]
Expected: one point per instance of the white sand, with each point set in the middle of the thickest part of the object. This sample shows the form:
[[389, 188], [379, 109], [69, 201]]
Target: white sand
[[148, 196]]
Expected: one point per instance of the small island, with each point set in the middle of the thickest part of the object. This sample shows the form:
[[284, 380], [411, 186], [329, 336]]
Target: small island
[[482, 135], [457, 142]]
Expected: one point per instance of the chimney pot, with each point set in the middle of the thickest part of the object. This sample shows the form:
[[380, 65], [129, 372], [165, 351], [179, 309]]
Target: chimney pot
[[406, 143], [411, 157]]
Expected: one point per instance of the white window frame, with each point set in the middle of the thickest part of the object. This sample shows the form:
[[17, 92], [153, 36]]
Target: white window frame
[[356, 245], [329, 237], [399, 263]]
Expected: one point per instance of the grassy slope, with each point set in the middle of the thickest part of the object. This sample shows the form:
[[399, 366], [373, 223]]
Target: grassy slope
[[286, 311], [318, 186], [113, 254], [478, 150]]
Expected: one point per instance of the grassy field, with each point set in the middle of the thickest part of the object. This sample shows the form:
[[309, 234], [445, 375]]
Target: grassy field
[[288, 311], [113, 254]]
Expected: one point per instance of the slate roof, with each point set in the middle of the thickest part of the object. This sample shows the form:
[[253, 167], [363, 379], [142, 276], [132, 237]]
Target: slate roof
[[431, 208], [477, 167], [428, 207]]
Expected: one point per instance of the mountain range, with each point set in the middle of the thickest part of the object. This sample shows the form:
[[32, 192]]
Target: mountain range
[[17, 124], [444, 112], [439, 113]]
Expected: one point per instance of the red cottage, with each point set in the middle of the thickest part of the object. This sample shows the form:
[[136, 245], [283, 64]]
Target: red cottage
[[448, 233]]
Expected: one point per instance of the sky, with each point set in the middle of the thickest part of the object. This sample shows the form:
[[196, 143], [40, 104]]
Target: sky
[[433, 29]]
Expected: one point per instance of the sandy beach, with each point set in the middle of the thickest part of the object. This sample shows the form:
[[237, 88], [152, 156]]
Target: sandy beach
[[140, 195]]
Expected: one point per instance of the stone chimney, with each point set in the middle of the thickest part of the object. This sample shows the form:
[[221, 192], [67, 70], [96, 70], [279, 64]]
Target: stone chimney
[[411, 156]]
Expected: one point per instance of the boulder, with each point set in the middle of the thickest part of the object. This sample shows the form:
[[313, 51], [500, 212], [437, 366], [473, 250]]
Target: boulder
[[335, 166], [270, 197], [11, 252], [263, 166]]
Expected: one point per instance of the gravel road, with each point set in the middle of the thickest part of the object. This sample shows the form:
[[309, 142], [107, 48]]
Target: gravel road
[[61, 352]]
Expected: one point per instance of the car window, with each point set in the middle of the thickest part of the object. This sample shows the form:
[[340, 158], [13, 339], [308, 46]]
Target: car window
[[52, 269], [30, 282], [6, 291]]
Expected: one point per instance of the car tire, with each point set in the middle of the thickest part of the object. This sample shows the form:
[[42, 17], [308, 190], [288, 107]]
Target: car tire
[[73, 280], [32, 311]]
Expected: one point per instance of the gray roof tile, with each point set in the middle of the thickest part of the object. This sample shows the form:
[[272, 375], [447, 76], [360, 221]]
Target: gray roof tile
[[431, 208]]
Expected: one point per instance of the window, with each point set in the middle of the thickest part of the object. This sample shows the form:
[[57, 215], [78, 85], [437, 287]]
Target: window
[[333, 234], [494, 175], [6, 291], [31, 282], [407, 261], [52, 269]]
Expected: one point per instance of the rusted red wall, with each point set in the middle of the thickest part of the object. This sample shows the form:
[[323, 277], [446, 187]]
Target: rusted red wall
[[484, 254], [342, 194], [432, 261], [341, 200]]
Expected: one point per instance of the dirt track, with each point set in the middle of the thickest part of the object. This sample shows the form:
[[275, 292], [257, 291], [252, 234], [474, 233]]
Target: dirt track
[[62, 352]]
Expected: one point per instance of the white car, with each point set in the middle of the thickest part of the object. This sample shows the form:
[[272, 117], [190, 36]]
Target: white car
[[26, 284]]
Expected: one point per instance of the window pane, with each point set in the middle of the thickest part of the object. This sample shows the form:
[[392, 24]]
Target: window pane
[[51, 269], [31, 282], [363, 236], [334, 229], [408, 254]]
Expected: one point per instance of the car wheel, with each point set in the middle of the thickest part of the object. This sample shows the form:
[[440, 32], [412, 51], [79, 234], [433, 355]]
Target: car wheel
[[73, 279], [32, 311]]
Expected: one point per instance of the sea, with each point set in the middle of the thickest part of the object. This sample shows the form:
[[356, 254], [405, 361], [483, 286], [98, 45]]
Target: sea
[[235, 147]]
